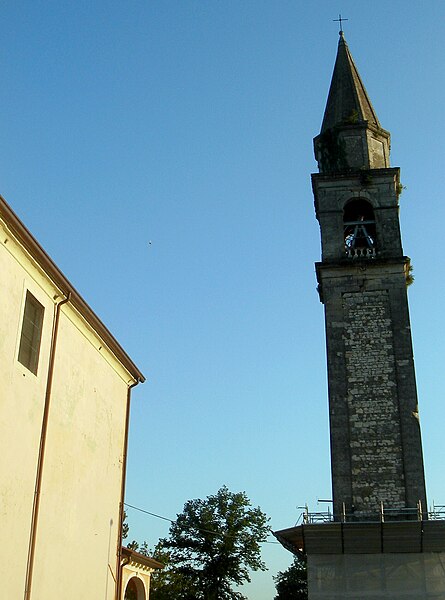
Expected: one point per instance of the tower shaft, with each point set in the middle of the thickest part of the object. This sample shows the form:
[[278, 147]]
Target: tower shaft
[[376, 451]]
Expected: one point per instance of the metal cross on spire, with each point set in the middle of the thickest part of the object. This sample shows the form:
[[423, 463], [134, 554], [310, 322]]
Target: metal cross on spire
[[340, 20]]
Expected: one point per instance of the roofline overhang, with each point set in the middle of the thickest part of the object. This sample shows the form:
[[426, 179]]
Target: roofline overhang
[[137, 557], [45, 262], [361, 537]]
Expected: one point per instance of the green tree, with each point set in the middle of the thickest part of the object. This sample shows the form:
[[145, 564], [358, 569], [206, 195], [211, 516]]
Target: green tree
[[291, 584], [133, 545], [170, 583], [125, 526], [212, 545]]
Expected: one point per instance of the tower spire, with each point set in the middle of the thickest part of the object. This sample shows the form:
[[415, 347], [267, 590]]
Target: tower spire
[[351, 136], [348, 100]]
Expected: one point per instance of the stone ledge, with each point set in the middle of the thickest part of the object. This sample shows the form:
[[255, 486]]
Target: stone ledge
[[365, 538]]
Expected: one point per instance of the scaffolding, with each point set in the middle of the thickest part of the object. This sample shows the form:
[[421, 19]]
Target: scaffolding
[[384, 514]]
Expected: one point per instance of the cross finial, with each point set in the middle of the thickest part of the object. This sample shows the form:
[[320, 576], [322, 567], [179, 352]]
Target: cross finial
[[340, 20]]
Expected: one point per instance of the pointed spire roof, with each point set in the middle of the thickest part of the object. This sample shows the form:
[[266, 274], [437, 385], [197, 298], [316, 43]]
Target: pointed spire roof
[[348, 100]]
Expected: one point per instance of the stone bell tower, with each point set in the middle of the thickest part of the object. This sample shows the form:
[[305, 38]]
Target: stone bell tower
[[376, 452], [380, 543]]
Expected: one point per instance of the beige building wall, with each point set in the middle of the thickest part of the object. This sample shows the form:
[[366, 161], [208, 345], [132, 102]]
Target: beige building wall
[[77, 532], [83, 467], [22, 397]]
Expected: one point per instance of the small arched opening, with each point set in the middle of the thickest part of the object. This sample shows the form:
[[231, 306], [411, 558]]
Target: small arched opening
[[359, 229], [134, 590]]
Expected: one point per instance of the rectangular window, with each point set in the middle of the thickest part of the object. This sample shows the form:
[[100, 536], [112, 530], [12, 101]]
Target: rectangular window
[[31, 333]]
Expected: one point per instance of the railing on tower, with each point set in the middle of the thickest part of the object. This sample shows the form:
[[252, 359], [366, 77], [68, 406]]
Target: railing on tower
[[384, 514], [437, 513]]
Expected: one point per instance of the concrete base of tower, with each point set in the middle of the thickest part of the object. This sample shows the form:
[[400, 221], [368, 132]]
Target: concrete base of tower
[[398, 576], [398, 560]]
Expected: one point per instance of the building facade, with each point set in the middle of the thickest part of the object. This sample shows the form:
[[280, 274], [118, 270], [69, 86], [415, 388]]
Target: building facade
[[65, 387]]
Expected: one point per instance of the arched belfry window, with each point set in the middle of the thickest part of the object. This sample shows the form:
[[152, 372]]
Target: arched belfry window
[[359, 229]]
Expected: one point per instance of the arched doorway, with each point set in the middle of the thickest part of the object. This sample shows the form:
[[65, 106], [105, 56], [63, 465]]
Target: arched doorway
[[134, 590]]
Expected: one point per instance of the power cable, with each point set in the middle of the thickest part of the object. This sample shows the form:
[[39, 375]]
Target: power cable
[[147, 512]]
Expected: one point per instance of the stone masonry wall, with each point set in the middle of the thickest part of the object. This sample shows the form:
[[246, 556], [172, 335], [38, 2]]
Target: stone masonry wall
[[375, 438]]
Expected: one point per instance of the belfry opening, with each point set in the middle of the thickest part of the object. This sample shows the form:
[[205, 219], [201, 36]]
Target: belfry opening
[[359, 229]]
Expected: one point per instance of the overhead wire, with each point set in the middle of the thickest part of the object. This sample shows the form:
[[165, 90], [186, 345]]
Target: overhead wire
[[152, 514]]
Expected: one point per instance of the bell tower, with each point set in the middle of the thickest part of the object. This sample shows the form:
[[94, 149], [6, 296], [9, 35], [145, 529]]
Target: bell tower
[[376, 451], [380, 541]]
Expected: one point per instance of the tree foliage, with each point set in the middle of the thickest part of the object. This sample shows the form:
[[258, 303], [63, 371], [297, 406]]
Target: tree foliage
[[125, 526], [170, 583], [291, 584], [133, 545], [212, 545]]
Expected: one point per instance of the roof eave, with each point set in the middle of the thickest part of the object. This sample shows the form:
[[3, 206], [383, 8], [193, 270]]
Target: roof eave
[[32, 246]]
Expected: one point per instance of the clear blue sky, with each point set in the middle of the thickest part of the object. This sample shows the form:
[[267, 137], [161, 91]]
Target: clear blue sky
[[189, 124]]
